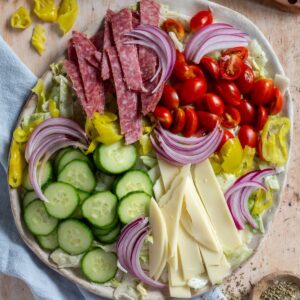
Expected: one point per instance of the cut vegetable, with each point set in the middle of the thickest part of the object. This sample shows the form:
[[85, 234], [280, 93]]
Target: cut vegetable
[[79, 175], [133, 205], [100, 209], [116, 158], [48, 242], [133, 181], [62, 200], [74, 237], [38, 221], [29, 197], [111, 236], [45, 177], [99, 266], [59, 155]]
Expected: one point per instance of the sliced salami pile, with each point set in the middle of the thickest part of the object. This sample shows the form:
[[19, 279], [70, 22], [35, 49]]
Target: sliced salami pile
[[106, 58]]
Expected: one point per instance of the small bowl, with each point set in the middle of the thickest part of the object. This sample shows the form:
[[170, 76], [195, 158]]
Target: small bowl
[[268, 280]]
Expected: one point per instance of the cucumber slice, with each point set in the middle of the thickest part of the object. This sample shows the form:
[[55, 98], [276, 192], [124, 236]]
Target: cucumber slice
[[99, 266], [133, 181], [77, 213], [111, 236], [100, 209], [106, 229], [79, 175], [37, 219], [59, 156], [46, 177], [62, 199], [69, 156], [29, 197], [116, 158], [82, 196], [133, 205], [48, 242], [74, 237]]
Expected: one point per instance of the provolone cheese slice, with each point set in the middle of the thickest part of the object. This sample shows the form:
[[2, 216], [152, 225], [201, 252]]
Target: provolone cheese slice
[[180, 291], [175, 274], [189, 255], [157, 250], [198, 224], [168, 172], [213, 199], [154, 173], [158, 188]]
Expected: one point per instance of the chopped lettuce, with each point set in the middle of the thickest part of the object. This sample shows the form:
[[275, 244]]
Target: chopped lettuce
[[148, 161], [127, 289], [64, 260], [226, 180], [104, 182], [237, 257], [198, 282], [106, 248], [257, 58], [142, 290], [272, 182]]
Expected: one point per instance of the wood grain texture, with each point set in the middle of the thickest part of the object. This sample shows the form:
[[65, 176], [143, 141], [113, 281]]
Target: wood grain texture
[[281, 249]]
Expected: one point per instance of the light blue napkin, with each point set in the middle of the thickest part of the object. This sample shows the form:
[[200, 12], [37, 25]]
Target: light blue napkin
[[16, 81]]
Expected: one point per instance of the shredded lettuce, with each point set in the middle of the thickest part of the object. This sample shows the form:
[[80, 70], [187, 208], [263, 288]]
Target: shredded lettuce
[[148, 161], [127, 289], [257, 58], [64, 260], [198, 282], [104, 182], [106, 248], [142, 290], [237, 257]]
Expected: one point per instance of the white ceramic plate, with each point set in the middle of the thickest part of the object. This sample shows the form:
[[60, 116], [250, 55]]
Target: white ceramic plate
[[187, 7]]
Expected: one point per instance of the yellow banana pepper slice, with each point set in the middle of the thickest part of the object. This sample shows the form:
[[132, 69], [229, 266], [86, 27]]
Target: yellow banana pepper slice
[[67, 15], [16, 165], [45, 10], [53, 109], [263, 201], [232, 155], [274, 140], [20, 135], [20, 18], [38, 38], [247, 161]]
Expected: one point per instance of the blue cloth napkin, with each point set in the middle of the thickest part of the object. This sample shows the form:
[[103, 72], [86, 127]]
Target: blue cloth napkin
[[16, 81]]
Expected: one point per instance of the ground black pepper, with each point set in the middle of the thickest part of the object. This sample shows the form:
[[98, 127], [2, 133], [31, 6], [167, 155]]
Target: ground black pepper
[[281, 290]]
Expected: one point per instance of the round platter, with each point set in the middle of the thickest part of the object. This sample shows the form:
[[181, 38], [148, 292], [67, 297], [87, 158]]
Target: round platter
[[186, 7]]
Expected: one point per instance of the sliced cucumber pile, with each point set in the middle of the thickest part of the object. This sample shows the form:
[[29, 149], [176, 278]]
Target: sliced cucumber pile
[[86, 205]]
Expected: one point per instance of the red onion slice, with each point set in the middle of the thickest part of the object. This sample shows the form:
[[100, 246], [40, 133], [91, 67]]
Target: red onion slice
[[242, 185]]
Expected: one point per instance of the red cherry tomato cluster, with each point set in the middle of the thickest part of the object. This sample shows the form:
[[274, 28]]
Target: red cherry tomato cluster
[[222, 90]]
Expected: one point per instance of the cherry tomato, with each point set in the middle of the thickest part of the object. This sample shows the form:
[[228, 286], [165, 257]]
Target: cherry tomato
[[179, 120], [207, 120], [231, 66], [181, 68], [201, 19], [192, 90], [242, 52], [214, 104], [262, 117], [228, 91], [248, 136], [262, 91], [247, 112], [170, 98], [246, 80], [174, 26], [231, 117], [211, 66], [191, 122], [195, 71], [226, 136], [277, 102], [164, 116]]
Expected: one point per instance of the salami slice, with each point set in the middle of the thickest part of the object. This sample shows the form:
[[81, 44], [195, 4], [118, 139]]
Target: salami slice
[[127, 100], [107, 42], [97, 39], [135, 19], [149, 101], [92, 83], [128, 55], [95, 59], [149, 15]]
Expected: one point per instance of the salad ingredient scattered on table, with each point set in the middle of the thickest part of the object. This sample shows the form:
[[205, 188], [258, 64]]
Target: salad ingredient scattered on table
[[155, 149]]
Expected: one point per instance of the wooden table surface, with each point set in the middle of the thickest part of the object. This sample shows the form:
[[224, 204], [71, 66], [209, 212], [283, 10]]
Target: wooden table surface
[[281, 248]]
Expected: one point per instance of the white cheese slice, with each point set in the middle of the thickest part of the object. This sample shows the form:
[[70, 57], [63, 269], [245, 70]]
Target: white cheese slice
[[213, 199], [189, 255], [154, 173], [175, 275], [172, 212], [180, 291], [158, 188], [168, 172], [158, 249], [184, 171], [198, 224]]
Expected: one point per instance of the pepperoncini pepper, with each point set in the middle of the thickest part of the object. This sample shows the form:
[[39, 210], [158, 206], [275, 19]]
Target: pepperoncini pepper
[[45, 10], [20, 18], [263, 201], [16, 165], [53, 109], [274, 140], [67, 15], [38, 38], [232, 155]]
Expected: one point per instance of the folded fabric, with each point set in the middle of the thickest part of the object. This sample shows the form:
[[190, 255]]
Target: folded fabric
[[16, 81]]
